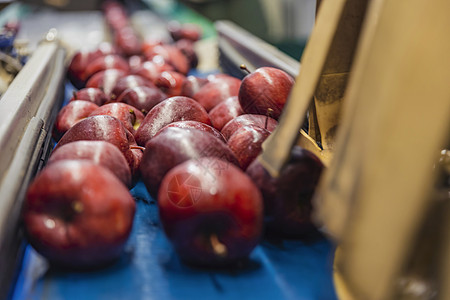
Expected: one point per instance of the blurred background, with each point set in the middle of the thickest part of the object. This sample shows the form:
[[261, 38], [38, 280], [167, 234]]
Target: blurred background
[[285, 24]]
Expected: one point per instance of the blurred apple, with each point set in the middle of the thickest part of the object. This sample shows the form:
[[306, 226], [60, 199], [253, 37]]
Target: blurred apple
[[211, 212], [78, 214]]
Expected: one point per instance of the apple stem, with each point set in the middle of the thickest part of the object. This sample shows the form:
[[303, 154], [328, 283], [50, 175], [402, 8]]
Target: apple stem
[[244, 67], [219, 248], [268, 115], [137, 147], [74, 95]]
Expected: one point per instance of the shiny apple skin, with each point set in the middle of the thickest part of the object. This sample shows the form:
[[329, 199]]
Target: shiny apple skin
[[246, 144], [217, 91], [105, 128], [78, 65], [93, 95], [287, 199], [227, 205], [170, 83], [172, 55], [106, 80], [170, 110], [70, 114], [78, 214], [265, 88], [127, 82], [225, 111], [195, 125], [246, 119], [142, 97], [102, 63], [130, 116], [192, 84], [173, 146], [100, 153], [153, 68]]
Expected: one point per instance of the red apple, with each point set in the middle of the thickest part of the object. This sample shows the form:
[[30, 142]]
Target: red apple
[[192, 84], [243, 120], [170, 82], [109, 129], [100, 153], [127, 41], [93, 95], [130, 116], [287, 199], [150, 43], [263, 89], [186, 31], [225, 111], [70, 114], [78, 65], [172, 55], [195, 125], [142, 97], [246, 143], [127, 82], [173, 146], [106, 80], [102, 63], [211, 212], [217, 91], [78, 214], [82, 58], [168, 111], [152, 69]]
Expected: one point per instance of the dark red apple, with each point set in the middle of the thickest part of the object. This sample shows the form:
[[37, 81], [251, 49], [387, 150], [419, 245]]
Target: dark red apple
[[93, 95], [263, 89], [170, 82], [173, 146], [217, 91], [82, 58], [152, 69], [187, 48], [243, 120], [109, 129], [142, 97], [168, 111], [246, 143], [106, 80], [172, 55], [130, 116], [127, 82], [127, 41], [102, 63], [211, 212], [225, 111], [78, 214], [100, 153], [78, 65], [186, 31], [70, 114], [195, 125], [192, 84], [287, 199]]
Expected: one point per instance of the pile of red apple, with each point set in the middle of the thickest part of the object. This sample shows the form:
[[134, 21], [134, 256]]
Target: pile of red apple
[[138, 116]]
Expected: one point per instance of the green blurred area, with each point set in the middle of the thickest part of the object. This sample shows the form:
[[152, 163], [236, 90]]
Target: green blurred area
[[246, 13]]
